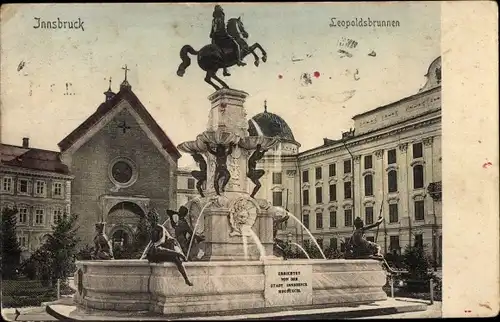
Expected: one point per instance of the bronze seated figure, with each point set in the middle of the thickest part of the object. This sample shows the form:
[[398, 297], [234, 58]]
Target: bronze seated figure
[[102, 246]]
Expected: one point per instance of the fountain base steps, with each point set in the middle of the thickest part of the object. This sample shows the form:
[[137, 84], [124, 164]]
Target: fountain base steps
[[134, 286], [389, 306]]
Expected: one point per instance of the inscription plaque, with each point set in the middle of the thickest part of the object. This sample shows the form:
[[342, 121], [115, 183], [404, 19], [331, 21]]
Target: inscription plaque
[[288, 285]]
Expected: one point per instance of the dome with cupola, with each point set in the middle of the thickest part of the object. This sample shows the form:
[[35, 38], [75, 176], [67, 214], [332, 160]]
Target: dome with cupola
[[433, 75], [272, 125]]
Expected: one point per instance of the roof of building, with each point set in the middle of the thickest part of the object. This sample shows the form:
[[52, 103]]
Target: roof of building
[[436, 63], [125, 93], [269, 124], [32, 159]]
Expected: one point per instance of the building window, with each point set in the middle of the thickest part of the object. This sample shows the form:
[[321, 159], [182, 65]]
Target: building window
[[57, 216], [368, 215], [319, 220], [368, 162], [347, 166], [190, 183], [419, 210], [418, 177], [417, 150], [277, 198], [393, 213], [57, 189], [39, 216], [319, 195], [370, 239], [348, 217], [318, 173], [23, 215], [392, 179], [333, 219], [332, 171], [368, 185], [40, 188], [333, 243], [333, 192], [277, 178], [320, 242], [305, 176], [305, 197], [391, 156], [347, 190], [7, 184], [394, 243], [305, 220], [419, 240], [23, 241], [23, 186]]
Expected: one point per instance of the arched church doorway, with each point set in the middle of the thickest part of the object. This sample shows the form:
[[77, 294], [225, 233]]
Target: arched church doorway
[[120, 237], [122, 220]]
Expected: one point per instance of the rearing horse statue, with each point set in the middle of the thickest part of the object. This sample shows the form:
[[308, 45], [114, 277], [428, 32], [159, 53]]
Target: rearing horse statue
[[222, 53]]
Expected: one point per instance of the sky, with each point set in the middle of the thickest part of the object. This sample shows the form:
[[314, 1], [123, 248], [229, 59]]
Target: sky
[[298, 40]]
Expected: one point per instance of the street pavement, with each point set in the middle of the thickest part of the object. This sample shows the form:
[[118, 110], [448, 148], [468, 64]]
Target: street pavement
[[39, 313], [28, 314], [433, 311]]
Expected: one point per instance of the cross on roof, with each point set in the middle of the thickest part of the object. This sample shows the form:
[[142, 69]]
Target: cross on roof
[[124, 127], [126, 70], [265, 105]]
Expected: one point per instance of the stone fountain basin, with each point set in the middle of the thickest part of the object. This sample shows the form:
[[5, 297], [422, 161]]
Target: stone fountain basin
[[139, 286]]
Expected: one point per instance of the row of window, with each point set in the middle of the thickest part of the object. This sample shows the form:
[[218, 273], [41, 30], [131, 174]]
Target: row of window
[[24, 187], [418, 183], [39, 215], [394, 244], [419, 209], [368, 163]]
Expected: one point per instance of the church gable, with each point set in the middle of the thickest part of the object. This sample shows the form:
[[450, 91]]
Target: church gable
[[122, 156], [106, 112]]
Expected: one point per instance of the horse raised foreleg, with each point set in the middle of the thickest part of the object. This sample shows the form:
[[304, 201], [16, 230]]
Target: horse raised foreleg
[[208, 79], [249, 50], [264, 54]]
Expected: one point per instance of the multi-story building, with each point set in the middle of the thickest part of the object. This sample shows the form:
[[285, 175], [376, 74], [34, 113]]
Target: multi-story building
[[389, 164], [186, 186], [38, 184]]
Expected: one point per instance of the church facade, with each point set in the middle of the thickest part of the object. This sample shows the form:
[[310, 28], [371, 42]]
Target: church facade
[[388, 165], [123, 165]]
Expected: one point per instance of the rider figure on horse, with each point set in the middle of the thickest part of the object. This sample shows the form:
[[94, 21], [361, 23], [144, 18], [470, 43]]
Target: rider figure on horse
[[219, 36]]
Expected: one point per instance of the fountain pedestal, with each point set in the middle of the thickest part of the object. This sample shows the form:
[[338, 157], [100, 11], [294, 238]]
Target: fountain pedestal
[[237, 228], [227, 115]]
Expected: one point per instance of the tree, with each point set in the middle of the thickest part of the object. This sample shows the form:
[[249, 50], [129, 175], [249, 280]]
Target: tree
[[312, 249], [61, 245], [416, 261], [333, 253], [10, 246]]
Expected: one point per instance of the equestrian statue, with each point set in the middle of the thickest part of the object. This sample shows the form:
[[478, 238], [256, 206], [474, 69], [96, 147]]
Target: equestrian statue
[[228, 48]]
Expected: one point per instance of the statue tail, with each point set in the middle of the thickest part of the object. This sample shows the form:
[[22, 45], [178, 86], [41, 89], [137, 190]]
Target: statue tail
[[186, 61]]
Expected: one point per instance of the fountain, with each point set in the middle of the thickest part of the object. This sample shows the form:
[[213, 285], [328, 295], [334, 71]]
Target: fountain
[[233, 274]]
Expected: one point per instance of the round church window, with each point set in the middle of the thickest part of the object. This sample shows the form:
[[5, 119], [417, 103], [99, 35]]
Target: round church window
[[122, 172]]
